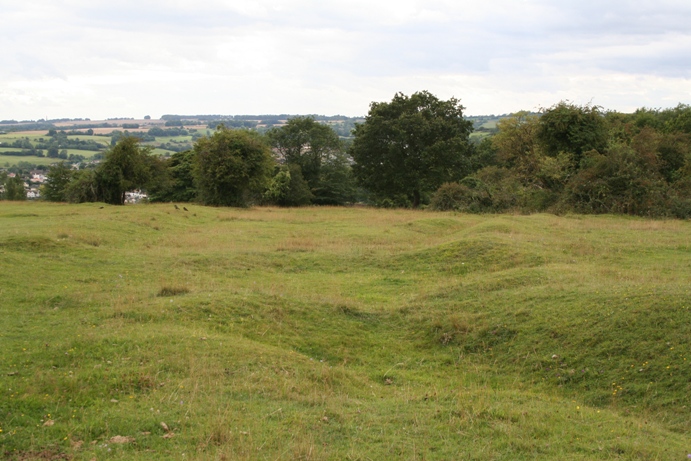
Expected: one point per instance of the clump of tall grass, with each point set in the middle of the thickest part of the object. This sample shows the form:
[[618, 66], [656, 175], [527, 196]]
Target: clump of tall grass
[[173, 291]]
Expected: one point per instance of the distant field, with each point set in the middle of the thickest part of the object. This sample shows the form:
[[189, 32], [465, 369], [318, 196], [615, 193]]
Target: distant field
[[9, 149], [32, 135], [181, 139], [491, 124], [104, 141], [163, 152], [9, 160], [341, 333], [13, 160], [478, 135]]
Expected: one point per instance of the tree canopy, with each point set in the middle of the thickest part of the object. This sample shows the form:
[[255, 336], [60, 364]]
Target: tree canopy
[[319, 154], [577, 158], [57, 179], [231, 167], [410, 146], [303, 141], [14, 188], [127, 166]]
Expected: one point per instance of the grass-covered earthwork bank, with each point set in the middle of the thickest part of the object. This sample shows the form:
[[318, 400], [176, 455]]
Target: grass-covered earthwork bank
[[149, 332]]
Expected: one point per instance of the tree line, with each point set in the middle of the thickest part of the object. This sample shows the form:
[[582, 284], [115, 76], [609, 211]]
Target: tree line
[[416, 151], [571, 158], [303, 162]]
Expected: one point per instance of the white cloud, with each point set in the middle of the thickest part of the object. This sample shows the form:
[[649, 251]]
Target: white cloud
[[96, 59]]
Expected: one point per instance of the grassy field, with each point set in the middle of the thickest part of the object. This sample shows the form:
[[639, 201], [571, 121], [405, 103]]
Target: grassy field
[[33, 136], [158, 151], [9, 160], [102, 140], [145, 332], [478, 135]]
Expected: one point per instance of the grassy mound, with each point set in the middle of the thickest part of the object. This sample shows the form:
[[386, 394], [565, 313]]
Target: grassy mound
[[341, 334]]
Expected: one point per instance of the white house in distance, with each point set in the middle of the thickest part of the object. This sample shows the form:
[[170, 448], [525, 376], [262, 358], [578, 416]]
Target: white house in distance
[[38, 176], [135, 196]]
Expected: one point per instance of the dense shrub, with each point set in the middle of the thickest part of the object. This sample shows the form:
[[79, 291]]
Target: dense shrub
[[288, 187]]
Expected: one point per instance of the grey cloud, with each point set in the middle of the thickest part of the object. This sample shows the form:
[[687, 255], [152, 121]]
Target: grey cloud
[[269, 48]]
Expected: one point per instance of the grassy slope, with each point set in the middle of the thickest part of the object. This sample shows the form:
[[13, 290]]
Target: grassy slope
[[342, 334]]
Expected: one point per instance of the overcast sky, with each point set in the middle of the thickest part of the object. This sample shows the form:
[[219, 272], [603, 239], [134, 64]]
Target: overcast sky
[[98, 59]]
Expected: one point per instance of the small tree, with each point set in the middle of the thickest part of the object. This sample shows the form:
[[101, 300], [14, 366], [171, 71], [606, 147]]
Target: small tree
[[288, 187], [82, 187], [127, 166], [573, 129], [231, 167], [307, 143], [57, 180], [320, 154], [14, 189], [178, 183]]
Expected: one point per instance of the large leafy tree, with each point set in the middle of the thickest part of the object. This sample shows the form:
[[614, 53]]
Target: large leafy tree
[[231, 167], [320, 155], [410, 146]]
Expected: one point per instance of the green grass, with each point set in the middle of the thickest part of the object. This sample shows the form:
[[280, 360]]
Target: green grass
[[333, 333], [478, 135], [34, 136], [13, 160], [102, 140], [490, 124], [180, 139], [158, 151]]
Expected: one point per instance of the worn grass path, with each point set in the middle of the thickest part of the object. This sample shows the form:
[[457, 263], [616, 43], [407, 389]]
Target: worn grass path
[[341, 333]]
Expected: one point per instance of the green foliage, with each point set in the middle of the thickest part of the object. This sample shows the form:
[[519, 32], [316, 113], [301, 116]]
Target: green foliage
[[57, 180], [484, 154], [319, 153], [83, 187], [678, 120], [503, 187], [575, 158], [127, 166], [288, 187], [303, 141], [336, 185], [470, 195], [232, 167], [178, 183], [518, 147], [410, 146], [14, 189], [572, 129], [620, 181]]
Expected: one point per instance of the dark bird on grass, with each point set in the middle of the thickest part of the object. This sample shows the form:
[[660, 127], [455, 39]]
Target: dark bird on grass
[[100, 208], [176, 207], [184, 208]]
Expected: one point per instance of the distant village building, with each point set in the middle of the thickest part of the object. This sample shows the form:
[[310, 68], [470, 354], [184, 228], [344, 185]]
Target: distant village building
[[38, 176], [135, 197]]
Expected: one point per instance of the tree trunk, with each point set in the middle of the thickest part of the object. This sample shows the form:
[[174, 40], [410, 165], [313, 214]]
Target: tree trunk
[[416, 198]]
